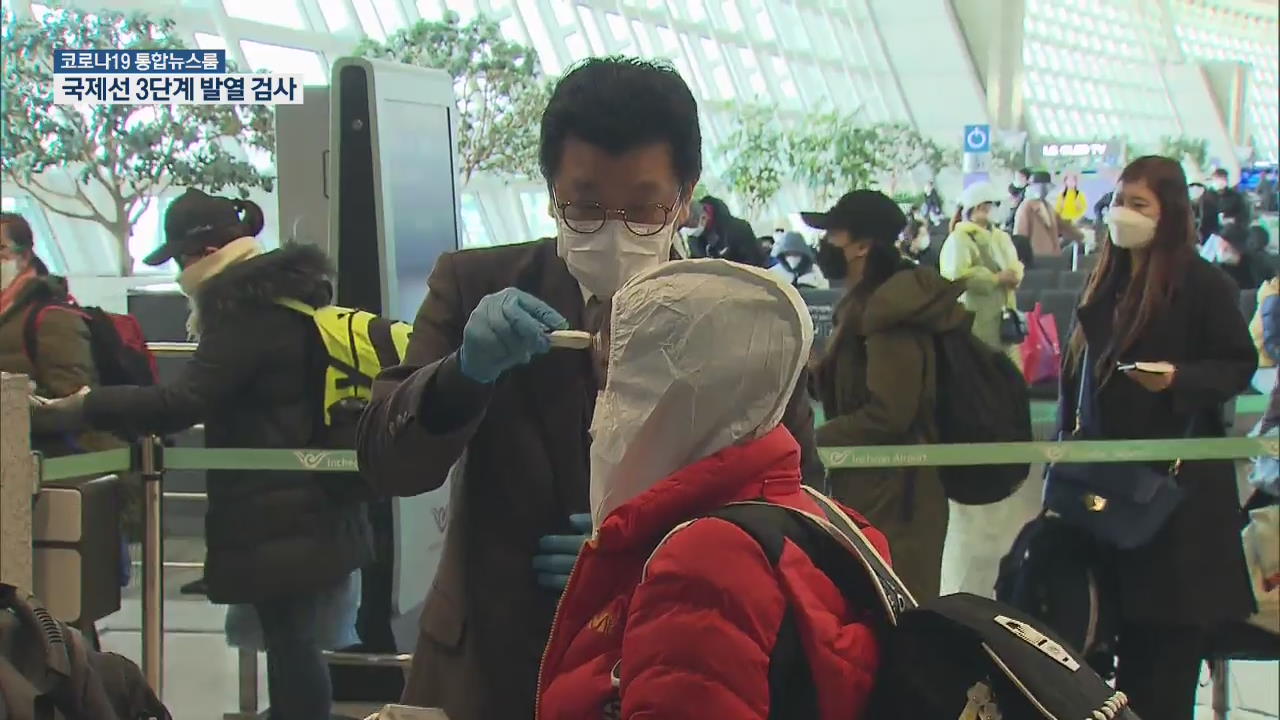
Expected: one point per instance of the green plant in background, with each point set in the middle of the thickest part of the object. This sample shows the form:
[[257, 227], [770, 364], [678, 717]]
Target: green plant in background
[[830, 153], [1187, 150], [1009, 157], [901, 149], [118, 157], [755, 151], [500, 89], [908, 199]]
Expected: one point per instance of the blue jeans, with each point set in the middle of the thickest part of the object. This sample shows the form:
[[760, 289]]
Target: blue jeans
[[297, 675]]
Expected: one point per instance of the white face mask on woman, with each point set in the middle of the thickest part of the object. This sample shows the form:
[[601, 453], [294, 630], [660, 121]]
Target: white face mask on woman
[[1130, 229], [604, 260]]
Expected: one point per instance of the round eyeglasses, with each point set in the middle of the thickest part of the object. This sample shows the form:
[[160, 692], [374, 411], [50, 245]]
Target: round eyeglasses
[[588, 217]]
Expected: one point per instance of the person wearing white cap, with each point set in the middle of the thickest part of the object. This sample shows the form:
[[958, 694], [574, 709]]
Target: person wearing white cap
[[981, 255]]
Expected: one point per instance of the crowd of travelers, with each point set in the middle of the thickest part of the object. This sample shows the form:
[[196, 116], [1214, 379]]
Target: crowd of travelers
[[586, 571]]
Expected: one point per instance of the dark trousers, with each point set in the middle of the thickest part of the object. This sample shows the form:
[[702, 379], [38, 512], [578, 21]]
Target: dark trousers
[[297, 675], [1158, 667]]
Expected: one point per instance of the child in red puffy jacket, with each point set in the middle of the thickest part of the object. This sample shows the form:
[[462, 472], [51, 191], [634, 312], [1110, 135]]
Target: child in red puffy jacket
[[667, 618]]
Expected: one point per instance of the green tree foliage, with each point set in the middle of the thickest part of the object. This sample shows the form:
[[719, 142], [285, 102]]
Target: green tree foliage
[[755, 151], [500, 89], [119, 156], [1186, 150]]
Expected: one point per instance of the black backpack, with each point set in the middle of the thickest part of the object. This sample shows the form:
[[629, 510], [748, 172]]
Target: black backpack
[[1054, 573], [47, 672], [939, 659], [982, 398]]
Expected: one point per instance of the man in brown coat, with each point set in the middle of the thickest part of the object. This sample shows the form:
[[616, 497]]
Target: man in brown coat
[[483, 400]]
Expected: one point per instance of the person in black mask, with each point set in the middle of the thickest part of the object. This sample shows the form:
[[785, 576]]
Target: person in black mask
[[877, 380]]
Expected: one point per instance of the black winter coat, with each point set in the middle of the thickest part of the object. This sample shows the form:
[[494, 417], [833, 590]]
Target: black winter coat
[[255, 381], [1193, 571]]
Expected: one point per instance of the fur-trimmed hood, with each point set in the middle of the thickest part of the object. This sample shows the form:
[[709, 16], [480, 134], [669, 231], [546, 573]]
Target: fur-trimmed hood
[[299, 272]]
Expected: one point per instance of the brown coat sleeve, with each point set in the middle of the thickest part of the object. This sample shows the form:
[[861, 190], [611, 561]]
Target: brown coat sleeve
[[423, 412], [64, 359]]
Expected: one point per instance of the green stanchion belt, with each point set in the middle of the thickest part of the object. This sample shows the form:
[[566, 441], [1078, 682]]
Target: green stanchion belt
[[1048, 452], [93, 464], [253, 459], [1236, 448]]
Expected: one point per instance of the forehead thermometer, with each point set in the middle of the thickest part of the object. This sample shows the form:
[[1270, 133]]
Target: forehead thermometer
[[571, 339]]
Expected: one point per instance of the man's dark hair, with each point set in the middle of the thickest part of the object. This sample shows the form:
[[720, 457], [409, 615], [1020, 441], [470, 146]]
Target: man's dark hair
[[620, 103], [1025, 172], [1222, 173]]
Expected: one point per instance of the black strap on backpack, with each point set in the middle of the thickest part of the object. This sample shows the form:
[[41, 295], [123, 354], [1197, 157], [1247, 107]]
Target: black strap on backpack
[[792, 693]]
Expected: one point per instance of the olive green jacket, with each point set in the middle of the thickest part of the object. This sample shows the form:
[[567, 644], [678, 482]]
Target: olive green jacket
[[878, 386]]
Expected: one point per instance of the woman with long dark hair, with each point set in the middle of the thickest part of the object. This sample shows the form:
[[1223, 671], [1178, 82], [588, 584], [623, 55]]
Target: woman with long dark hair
[[1152, 299], [878, 379]]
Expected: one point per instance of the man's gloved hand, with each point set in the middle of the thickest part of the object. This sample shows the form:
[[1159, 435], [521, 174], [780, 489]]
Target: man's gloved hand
[[59, 415], [506, 329], [557, 554]]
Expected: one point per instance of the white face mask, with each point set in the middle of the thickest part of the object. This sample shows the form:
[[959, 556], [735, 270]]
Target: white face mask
[[605, 259], [997, 214], [696, 231], [793, 261], [1130, 229], [8, 273]]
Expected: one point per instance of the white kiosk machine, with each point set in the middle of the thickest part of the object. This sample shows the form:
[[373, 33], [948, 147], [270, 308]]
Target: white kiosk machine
[[367, 172]]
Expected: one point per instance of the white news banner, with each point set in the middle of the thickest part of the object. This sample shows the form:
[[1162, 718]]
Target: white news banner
[[185, 89]]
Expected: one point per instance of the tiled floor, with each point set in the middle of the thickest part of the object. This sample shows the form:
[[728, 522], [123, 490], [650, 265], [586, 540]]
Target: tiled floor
[[201, 671]]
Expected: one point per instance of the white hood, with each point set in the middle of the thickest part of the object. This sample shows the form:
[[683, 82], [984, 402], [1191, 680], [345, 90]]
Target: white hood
[[703, 354]]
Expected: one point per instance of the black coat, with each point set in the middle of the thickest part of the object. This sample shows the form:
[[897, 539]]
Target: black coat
[[1193, 571], [255, 381], [728, 238]]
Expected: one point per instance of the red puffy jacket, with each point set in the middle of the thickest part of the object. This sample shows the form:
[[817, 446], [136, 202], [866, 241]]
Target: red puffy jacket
[[693, 639]]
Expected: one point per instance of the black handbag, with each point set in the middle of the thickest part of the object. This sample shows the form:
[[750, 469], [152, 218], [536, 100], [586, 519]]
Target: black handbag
[[1121, 504], [1013, 327]]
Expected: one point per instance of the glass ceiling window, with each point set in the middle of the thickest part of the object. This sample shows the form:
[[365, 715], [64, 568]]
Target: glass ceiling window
[[1071, 75], [279, 59], [275, 12], [336, 17]]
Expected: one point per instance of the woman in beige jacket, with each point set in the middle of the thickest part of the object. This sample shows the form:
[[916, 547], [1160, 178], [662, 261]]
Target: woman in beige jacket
[[1039, 221]]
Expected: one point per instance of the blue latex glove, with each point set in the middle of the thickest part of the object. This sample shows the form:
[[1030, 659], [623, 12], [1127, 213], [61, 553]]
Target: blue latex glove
[[507, 328], [557, 554]]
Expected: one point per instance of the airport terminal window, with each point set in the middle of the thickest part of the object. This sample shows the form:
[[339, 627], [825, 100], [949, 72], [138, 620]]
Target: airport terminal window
[[534, 206], [474, 231], [389, 14], [539, 37], [618, 28], [282, 59], [592, 27], [369, 19], [336, 17], [276, 12], [205, 41]]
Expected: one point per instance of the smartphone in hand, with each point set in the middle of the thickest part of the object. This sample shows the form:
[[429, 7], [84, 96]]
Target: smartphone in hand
[[1153, 368]]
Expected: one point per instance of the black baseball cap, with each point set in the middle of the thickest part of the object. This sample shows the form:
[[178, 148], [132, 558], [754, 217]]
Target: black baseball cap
[[862, 213], [194, 221], [1041, 177]]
